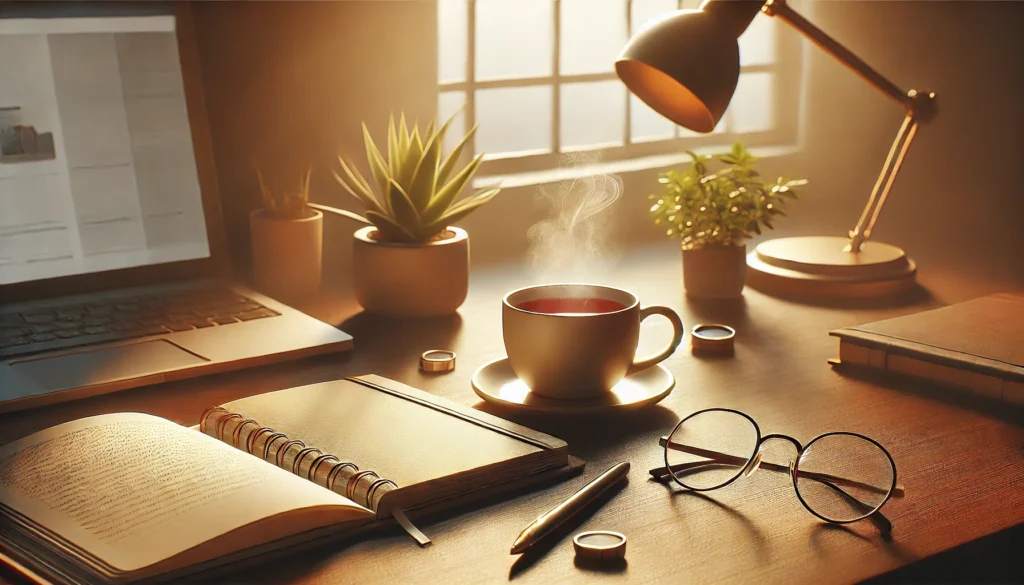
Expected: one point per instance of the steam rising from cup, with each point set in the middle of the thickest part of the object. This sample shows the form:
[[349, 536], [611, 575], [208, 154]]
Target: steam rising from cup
[[573, 244]]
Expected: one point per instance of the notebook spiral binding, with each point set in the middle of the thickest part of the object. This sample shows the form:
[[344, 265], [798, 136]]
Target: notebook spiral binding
[[364, 487]]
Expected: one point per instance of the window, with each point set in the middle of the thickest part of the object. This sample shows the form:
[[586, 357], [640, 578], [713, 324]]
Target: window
[[538, 77]]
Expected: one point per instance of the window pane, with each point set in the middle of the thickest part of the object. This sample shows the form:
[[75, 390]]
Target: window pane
[[593, 33], [452, 29], [752, 105], [646, 124], [447, 104], [514, 39], [757, 44], [592, 114], [513, 119], [646, 11]]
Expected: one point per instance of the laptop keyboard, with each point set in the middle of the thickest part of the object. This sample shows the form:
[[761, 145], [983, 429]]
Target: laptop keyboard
[[72, 325]]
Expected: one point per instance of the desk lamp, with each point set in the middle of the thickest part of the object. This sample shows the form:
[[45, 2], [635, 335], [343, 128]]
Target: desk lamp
[[686, 65]]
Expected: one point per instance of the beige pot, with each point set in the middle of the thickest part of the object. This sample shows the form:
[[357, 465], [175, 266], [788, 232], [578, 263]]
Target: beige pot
[[715, 272], [286, 254], [410, 280]]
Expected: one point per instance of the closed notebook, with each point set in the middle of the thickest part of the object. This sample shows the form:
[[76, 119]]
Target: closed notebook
[[132, 497], [977, 346]]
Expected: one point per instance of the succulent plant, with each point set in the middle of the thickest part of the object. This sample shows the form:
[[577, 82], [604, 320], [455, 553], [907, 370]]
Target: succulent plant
[[286, 204], [723, 208], [415, 194]]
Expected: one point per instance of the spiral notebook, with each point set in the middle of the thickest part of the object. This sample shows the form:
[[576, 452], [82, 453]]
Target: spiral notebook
[[131, 497]]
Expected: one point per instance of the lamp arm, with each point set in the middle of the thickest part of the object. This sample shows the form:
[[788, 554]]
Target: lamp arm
[[782, 10], [862, 231], [919, 106]]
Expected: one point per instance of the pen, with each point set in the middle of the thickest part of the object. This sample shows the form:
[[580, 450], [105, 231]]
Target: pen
[[554, 517]]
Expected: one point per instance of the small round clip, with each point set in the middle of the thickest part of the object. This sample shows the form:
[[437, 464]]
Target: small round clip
[[712, 338], [600, 545], [437, 360]]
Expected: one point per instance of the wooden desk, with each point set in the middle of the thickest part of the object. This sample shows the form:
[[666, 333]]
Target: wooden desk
[[962, 468]]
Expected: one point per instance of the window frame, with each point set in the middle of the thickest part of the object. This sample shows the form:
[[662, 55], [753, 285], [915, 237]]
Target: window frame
[[787, 69]]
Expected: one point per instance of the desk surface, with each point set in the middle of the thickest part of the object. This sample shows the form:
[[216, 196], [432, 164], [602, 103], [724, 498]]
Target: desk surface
[[961, 463]]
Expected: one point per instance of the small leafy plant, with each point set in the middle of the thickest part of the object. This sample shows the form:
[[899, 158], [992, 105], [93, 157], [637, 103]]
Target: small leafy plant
[[415, 194], [723, 208], [286, 204]]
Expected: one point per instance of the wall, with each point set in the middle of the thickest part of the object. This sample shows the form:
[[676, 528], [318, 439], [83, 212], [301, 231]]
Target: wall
[[959, 191], [289, 84]]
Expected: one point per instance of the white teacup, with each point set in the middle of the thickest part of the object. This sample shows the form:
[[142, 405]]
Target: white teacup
[[573, 341]]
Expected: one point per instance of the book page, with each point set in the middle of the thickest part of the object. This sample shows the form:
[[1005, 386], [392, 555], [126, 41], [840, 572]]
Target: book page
[[134, 489]]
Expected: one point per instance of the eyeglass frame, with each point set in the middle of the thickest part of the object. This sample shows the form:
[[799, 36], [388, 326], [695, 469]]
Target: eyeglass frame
[[749, 466]]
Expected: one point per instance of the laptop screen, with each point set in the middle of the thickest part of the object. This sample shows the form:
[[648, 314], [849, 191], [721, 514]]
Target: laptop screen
[[97, 169]]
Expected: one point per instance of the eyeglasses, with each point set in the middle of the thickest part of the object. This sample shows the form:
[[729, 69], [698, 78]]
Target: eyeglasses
[[839, 477]]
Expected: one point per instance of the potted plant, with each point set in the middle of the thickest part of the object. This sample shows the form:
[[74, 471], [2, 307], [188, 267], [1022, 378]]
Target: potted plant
[[412, 262], [286, 237], [713, 214]]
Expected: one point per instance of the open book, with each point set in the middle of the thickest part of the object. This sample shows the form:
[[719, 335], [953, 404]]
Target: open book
[[127, 497]]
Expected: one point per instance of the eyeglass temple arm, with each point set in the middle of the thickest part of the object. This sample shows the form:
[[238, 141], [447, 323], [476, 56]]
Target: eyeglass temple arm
[[661, 474], [897, 492]]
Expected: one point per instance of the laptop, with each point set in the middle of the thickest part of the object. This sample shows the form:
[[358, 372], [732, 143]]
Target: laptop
[[113, 265]]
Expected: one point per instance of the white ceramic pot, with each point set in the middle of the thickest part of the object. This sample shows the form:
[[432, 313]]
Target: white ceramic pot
[[715, 272], [286, 254], [410, 280]]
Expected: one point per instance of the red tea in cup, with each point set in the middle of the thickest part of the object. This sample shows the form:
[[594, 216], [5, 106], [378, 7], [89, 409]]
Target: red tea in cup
[[570, 306]]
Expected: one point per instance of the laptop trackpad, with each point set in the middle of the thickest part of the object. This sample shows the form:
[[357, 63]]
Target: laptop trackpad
[[96, 366]]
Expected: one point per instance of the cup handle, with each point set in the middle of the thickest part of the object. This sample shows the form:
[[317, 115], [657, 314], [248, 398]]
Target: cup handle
[[677, 337]]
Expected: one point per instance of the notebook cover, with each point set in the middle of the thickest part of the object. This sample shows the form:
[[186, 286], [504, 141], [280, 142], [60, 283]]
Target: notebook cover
[[404, 434], [984, 335]]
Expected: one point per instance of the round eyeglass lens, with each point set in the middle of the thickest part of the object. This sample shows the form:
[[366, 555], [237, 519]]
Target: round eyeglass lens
[[709, 449], [844, 477]]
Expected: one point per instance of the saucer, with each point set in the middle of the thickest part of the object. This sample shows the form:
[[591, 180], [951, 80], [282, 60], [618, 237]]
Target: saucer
[[495, 382]]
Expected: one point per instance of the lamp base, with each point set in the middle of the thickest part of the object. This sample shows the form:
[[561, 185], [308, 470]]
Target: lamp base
[[819, 266]]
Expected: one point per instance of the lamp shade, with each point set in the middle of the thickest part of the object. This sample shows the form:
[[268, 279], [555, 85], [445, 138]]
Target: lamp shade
[[684, 66]]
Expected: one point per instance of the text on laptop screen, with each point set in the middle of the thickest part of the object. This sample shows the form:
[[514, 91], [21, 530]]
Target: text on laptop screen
[[97, 169]]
